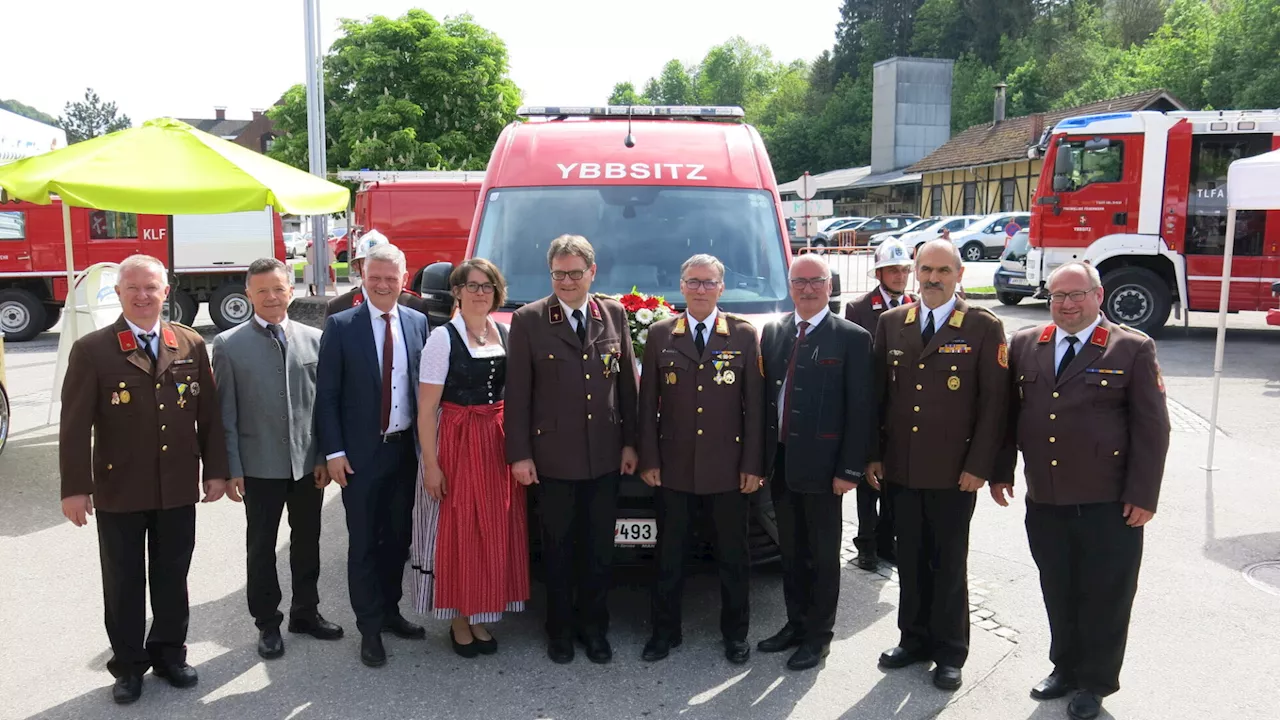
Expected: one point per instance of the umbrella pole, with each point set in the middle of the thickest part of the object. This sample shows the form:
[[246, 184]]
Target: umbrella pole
[[1221, 343], [70, 321], [173, 275]]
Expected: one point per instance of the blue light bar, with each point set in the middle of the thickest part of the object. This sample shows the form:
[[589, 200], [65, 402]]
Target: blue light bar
[[640, 111], [1085, 120]]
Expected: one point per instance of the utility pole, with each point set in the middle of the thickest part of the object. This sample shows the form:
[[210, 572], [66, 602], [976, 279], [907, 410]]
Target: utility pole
[[316, 135]]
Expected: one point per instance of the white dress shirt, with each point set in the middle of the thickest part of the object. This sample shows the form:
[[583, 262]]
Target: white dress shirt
[[888, 299], [940, 314], [283, 325], [708, 323], [155, 341], [814, 322], [401, 418], [568, 312], [1060, 341]]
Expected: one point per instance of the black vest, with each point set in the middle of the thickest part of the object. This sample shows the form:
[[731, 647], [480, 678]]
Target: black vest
[[473, 381]]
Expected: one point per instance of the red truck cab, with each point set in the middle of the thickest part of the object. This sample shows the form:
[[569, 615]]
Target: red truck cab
[[430, 220]]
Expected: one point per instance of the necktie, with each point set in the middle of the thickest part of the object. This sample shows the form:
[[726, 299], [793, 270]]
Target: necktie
[[1069, 355], [928, 328], [582, 326], [893, 303], [698, 342], [791, 371], [388, 356], [146, 339], [278, 334]]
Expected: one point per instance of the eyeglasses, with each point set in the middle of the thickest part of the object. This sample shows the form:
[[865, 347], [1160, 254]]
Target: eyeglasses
[[475, 287], [800, 283], [1077, 296], [562, 274], [701, 284]]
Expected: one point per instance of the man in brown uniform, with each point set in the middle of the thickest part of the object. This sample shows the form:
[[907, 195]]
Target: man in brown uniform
[[942, 370], [139, 413], [1089, 415], [355, 296], [701, 439], [570, 423], [893, 270]]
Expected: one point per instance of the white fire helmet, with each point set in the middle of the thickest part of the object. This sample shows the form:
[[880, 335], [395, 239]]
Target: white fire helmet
[[367, 241], [889, 254]]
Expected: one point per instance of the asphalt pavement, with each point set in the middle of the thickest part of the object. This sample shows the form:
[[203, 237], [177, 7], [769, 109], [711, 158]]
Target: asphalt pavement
[[1204, 641]]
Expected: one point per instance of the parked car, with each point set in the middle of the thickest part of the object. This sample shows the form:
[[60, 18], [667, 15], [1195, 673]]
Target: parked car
[[880, 237], [859, 235], [922, 234], [295, 244], [987, 238], [1011, 277], [835, 223]]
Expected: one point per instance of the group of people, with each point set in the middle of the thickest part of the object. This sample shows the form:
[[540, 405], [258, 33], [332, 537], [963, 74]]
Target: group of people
[[914, 402]]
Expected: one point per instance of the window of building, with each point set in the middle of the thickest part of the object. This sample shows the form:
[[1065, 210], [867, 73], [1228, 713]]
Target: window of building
[[110, 225], [1008, 195], [970, 204], [13, 225], [935, 200]]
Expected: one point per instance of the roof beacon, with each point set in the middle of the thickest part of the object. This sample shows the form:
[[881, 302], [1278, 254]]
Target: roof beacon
[[706, 112]]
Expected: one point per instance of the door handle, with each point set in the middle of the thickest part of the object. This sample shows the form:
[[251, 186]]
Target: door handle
[[1120, 218], [24, 257]]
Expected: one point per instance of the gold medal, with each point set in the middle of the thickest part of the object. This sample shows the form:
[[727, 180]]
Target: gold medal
[[125, 397], [671, 378], [182, 402], [953, 382], [729, 377]]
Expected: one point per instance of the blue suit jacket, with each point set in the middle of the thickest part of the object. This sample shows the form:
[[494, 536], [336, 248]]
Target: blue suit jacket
[[349, 384]]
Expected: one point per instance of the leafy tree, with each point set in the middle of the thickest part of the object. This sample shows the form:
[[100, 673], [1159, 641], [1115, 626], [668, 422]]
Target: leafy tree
[[652, 94], [735, 73], [27, 111], [1135, 21], [972, 96], [404, 94], [676, 85], [624, 93], [90, 118], [941, 30], [1244, 71]]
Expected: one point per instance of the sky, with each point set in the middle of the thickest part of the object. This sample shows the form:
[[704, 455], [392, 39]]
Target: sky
[[181, 58]]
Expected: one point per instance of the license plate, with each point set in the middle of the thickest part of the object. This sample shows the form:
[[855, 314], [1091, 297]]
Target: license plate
[[1019, 281], [632, 532]]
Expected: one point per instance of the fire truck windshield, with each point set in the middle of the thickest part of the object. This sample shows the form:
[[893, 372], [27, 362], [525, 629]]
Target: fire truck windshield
[[641, 235]]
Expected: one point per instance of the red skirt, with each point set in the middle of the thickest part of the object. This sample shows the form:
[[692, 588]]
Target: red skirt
[[482, 544]]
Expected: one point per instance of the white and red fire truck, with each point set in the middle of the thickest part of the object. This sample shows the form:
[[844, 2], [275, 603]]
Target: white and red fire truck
[[211, 255], [1143, 197]]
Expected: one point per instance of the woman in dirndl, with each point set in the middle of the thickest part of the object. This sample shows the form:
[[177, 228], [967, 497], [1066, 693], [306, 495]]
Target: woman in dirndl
[[470, 548]]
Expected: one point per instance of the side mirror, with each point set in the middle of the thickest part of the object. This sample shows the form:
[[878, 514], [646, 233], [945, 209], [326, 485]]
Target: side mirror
[[1063, 165], [436, 293], [834, 303]]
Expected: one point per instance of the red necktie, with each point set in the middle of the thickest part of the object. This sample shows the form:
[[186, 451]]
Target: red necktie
[[791, 382], [388, 355]]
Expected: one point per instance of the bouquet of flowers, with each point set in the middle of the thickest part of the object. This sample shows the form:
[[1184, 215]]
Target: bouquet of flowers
[[643, 311]]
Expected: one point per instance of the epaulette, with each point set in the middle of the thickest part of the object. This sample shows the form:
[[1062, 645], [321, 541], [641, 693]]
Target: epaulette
[[1133, 330], [981, 309], [185, 327]]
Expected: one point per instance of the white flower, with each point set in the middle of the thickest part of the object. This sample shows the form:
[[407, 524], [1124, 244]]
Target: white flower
[[643, 335], [644, 316], [662, 313]]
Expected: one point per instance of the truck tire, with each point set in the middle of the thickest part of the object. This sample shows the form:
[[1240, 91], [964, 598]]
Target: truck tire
[[22, 315], [342, 256], [229, 306], [184, 308], [1137, 297], [973, 252], [52, 314], [1010, 299], [4, 417]]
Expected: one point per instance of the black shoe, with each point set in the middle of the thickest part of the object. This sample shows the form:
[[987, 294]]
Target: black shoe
[[898, 657], [486, 647], [402, 628], [1084, 706], [598, 650], [179, 675], [468, 650], [1052, 687], [737, 651], [316, 626], [372, 653], [270, 644], [659, 646], [947, 677], [788, 637], [560, 650], [867, 561], [809, 655], [127, 689]]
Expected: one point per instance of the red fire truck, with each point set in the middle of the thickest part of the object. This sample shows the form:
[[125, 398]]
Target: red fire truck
[[1143, 197], [649, 187], [211, 255], [427, 214]]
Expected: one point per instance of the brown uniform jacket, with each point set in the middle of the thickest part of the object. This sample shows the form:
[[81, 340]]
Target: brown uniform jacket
[[866, 310], [1099, 433], [149, 429], [355, 296], [942, 407], [570, 408], [702, 416]]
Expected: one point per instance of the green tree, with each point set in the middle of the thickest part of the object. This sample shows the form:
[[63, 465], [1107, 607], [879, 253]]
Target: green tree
[[652, 94], [736, 73], [624, 93], [972, 96], [404, 94], [676, 85], [1135, 20], [941, 30], [90, 118], [1244, 71], [27, 111]]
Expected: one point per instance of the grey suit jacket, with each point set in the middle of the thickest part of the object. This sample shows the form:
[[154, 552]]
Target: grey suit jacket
[[268, 402]]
